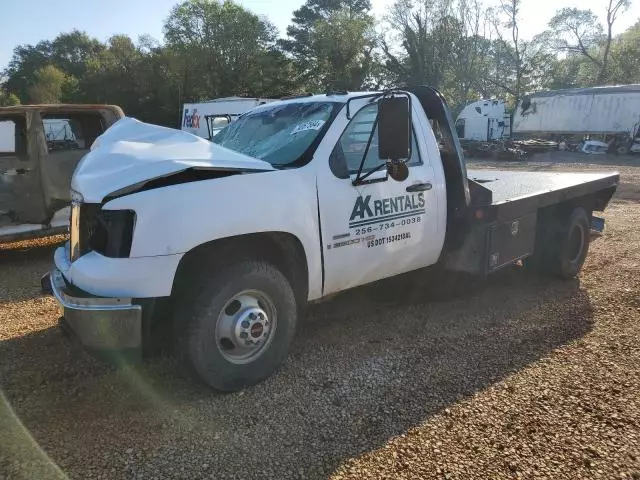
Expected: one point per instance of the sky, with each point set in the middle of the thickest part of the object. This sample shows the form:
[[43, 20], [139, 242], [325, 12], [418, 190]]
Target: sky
[[30, 22]]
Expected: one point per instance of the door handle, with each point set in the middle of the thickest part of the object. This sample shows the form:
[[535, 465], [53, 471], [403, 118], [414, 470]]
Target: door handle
[[419, 187]]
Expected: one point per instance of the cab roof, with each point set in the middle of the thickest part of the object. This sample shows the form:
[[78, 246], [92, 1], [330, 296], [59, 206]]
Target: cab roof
[[338, 97], [60, 107]]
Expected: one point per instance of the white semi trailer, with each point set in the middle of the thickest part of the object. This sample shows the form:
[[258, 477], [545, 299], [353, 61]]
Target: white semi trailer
[[611, 113]]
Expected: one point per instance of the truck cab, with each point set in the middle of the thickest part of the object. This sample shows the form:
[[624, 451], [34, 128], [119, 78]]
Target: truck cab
[[294, 201], [40, 147], [483, 121]]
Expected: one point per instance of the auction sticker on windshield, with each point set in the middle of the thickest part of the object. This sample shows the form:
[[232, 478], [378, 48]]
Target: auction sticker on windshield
[[311, 125]]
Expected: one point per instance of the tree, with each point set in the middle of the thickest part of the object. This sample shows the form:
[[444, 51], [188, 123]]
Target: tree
[[343, 47], [576, 31], [49, 85], [427, 32], [520, 65], [26, 60], [69, 52], [217, 47], [8, 99], [613, 9], [471, 55], [331, 43], [624, 66]]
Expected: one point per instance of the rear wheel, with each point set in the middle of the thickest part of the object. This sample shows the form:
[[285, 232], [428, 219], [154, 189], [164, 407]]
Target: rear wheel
[[561, 245], [237, 330]]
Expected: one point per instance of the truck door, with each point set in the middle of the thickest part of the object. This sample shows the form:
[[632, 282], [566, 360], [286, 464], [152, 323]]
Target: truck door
[[378, 229], [21, 199]]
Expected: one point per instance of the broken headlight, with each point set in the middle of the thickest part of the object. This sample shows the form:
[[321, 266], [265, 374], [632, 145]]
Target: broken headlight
[[111, 232]]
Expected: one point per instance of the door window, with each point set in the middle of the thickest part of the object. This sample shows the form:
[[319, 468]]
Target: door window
[[215, 123], [71, 131], [7, 136], [13, 140], [347, 154]]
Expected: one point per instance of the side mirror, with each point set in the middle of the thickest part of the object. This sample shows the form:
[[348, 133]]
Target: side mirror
[[394, 135], [394, 129]]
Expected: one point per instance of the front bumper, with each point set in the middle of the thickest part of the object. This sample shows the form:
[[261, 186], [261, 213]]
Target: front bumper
[[102, 325]]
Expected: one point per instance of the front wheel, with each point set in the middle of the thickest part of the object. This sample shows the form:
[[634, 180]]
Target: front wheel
[[237, 330]]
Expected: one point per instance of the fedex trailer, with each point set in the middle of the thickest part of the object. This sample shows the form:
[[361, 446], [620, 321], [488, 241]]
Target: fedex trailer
[[205, 119]]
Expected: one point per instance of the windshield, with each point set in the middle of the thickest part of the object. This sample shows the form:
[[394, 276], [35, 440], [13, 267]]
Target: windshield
[[281, 135]]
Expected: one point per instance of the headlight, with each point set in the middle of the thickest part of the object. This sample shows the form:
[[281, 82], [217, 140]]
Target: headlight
[[112, 233]]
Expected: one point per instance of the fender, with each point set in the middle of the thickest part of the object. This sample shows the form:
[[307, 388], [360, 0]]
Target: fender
[[178, 218]]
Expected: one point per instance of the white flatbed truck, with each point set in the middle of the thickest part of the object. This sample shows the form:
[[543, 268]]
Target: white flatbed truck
[[295, 201]]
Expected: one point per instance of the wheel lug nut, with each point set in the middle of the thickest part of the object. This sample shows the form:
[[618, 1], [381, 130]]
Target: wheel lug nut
[[248, 342], [243, 335], [261, 316], [245, 324], [252, 316]]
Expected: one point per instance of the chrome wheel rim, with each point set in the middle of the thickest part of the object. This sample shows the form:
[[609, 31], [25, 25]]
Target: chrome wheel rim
[[245, 326]]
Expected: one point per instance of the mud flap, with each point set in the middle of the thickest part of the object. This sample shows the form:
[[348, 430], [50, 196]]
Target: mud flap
[[596, 229]]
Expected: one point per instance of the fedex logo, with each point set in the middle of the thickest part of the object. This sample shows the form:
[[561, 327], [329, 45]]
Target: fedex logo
[[191, 120]]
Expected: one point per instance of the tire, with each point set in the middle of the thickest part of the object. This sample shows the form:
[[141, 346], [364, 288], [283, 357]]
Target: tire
[[573, 246], [622, 149], [561, 246], [209, 322]]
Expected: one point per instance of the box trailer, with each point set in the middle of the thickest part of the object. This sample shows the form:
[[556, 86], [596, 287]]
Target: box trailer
[[205, 119], [612, 112]]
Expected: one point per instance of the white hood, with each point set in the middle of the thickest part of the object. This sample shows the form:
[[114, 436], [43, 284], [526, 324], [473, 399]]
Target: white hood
[[131, 151]]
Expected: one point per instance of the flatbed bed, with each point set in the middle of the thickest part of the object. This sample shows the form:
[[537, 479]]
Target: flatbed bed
[[516, 193]]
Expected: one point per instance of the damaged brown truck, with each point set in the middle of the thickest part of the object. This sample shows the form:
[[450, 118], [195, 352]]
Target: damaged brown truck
[[40, 147]]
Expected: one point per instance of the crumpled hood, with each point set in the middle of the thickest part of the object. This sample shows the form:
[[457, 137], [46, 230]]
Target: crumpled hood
[[130, 152]]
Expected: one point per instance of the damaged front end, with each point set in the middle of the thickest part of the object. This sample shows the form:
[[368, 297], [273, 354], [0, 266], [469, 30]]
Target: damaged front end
[[104, 289]]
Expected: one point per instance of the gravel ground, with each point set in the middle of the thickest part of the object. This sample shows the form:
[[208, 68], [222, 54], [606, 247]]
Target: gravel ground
[[517, 377]]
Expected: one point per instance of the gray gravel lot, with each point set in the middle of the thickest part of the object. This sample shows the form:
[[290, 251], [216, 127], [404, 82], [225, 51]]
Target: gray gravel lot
[[514, 377]]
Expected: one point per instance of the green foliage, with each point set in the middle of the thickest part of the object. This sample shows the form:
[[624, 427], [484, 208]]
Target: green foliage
[[8, 99], [51, 85], [218, 48], [625, 57], [215, 48], [331, 43]]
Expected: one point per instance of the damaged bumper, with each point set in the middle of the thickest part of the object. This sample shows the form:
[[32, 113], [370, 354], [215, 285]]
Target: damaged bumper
[[107, 327]]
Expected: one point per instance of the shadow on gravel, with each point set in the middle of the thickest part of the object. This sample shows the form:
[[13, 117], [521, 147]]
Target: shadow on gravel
[[21, 269], [364, 367]]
